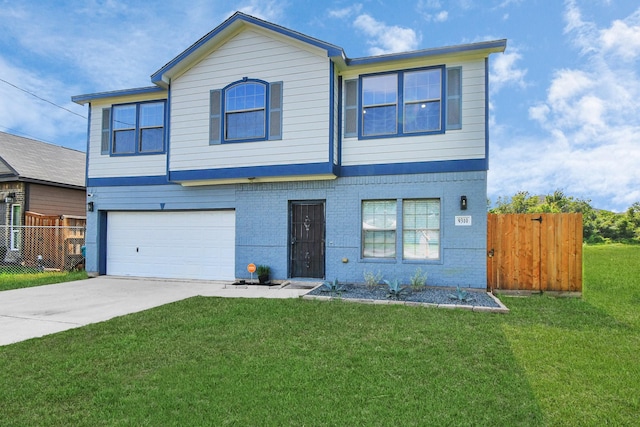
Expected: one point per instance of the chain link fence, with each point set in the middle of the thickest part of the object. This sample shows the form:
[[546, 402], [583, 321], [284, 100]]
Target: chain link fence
[[30, 249]]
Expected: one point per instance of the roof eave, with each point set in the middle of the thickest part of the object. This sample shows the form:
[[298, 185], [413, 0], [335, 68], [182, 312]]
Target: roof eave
[[487, 48], [83, 99]]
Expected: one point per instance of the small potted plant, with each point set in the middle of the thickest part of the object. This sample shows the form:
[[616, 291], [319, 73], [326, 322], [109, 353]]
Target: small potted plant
[[264, 271]]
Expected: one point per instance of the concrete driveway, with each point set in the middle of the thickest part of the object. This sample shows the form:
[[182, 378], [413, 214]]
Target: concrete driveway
[[42, 310]]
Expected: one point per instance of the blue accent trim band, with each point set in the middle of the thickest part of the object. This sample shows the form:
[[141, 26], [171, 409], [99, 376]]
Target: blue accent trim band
[[83, 99], [340, 122], [102, 242], [252, 172], [493, 46], [332, 89], [127, 180], [332, 50], [303, 169], [167, 130], [418, 167]]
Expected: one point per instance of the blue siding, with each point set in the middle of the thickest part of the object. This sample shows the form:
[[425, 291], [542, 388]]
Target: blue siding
[[262, 221]]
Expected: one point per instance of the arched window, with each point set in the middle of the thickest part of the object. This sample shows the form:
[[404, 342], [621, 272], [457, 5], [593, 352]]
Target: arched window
[[247, 110], [244, 111]]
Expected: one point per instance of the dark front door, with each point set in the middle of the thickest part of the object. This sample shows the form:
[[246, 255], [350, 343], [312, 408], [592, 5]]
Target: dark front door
[[307, 239]]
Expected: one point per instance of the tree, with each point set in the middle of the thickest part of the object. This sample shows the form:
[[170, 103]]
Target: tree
[[598, 225], [521, 202]]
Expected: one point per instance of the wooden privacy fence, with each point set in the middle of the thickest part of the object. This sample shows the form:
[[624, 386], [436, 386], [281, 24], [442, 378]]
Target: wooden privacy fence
[[535, 252], [58, 240]]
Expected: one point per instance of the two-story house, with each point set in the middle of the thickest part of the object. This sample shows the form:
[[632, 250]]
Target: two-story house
[[259, 144]]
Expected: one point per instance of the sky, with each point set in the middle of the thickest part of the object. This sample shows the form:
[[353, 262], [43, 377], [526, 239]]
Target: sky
[[564, 96]]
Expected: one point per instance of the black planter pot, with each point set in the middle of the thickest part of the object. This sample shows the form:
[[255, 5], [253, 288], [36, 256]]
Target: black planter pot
[[263, 279]]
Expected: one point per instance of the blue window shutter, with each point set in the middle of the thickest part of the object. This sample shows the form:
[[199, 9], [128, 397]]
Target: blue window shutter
[[454, 98], [275, 111], [106, 124], [215, 116], [351, 108]]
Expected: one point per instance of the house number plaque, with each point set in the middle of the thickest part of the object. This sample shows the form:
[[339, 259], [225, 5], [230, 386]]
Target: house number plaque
[[463, 221]]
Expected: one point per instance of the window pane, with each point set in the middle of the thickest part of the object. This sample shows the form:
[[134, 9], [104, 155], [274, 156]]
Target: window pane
[[421, 229], [124, 141], [380, 90], [124, 117], [151, 140], [245, 96], [379, 229], [379, 120], [245, 125], [424, 116], [152, 114], [422, 85]]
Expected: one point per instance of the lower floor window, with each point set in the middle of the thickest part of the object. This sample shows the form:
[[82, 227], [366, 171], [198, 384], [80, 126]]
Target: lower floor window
[[379, 229], [420, 228]]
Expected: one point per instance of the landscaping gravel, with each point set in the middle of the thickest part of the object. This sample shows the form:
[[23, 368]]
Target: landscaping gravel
[[428, 295]]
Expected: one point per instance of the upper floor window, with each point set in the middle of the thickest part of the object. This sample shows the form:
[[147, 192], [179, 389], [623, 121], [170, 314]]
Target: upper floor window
[[244, 113], [403, 103], [137, 128], [248, 110]]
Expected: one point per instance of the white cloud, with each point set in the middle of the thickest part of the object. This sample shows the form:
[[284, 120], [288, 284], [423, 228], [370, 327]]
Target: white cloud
[[346, 11], [622, 39], [386, 39], [592, 119], [267, 10], [431, 11], [504, 70]]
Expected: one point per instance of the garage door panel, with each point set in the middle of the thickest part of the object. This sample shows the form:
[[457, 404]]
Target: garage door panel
[[189, 245]]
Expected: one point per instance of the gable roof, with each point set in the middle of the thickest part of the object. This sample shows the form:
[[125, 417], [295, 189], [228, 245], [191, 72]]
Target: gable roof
[[24, 159], [238, 21], [162, 77]]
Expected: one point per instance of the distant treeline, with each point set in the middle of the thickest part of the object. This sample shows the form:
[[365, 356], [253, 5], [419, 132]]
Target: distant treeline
[[600, 226]]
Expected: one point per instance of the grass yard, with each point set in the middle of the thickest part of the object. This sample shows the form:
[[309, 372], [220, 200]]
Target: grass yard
[[213, 361], [10, 281]]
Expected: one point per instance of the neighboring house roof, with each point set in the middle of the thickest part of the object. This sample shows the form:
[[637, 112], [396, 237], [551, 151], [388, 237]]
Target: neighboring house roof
[[24, 159], [193, 54]]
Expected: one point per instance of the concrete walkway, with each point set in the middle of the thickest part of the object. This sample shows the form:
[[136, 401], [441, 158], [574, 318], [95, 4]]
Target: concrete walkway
[[42, 310]]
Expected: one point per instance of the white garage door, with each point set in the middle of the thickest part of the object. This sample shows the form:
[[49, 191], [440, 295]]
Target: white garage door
[[176, 245]]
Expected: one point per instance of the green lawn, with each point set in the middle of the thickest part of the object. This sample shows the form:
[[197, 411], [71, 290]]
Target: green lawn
[[213, 361], [25, 280]]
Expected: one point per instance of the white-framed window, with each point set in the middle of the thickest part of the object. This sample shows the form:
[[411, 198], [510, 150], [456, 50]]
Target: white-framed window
[[420, 238], [136, 128], [379, 219], [421, 229], [16, 222], [246, 110]]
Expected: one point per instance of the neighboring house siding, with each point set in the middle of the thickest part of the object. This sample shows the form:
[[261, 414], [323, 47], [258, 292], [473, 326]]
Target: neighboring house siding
[[47, 200], [106, 166], [467, 143], [255, 54]]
